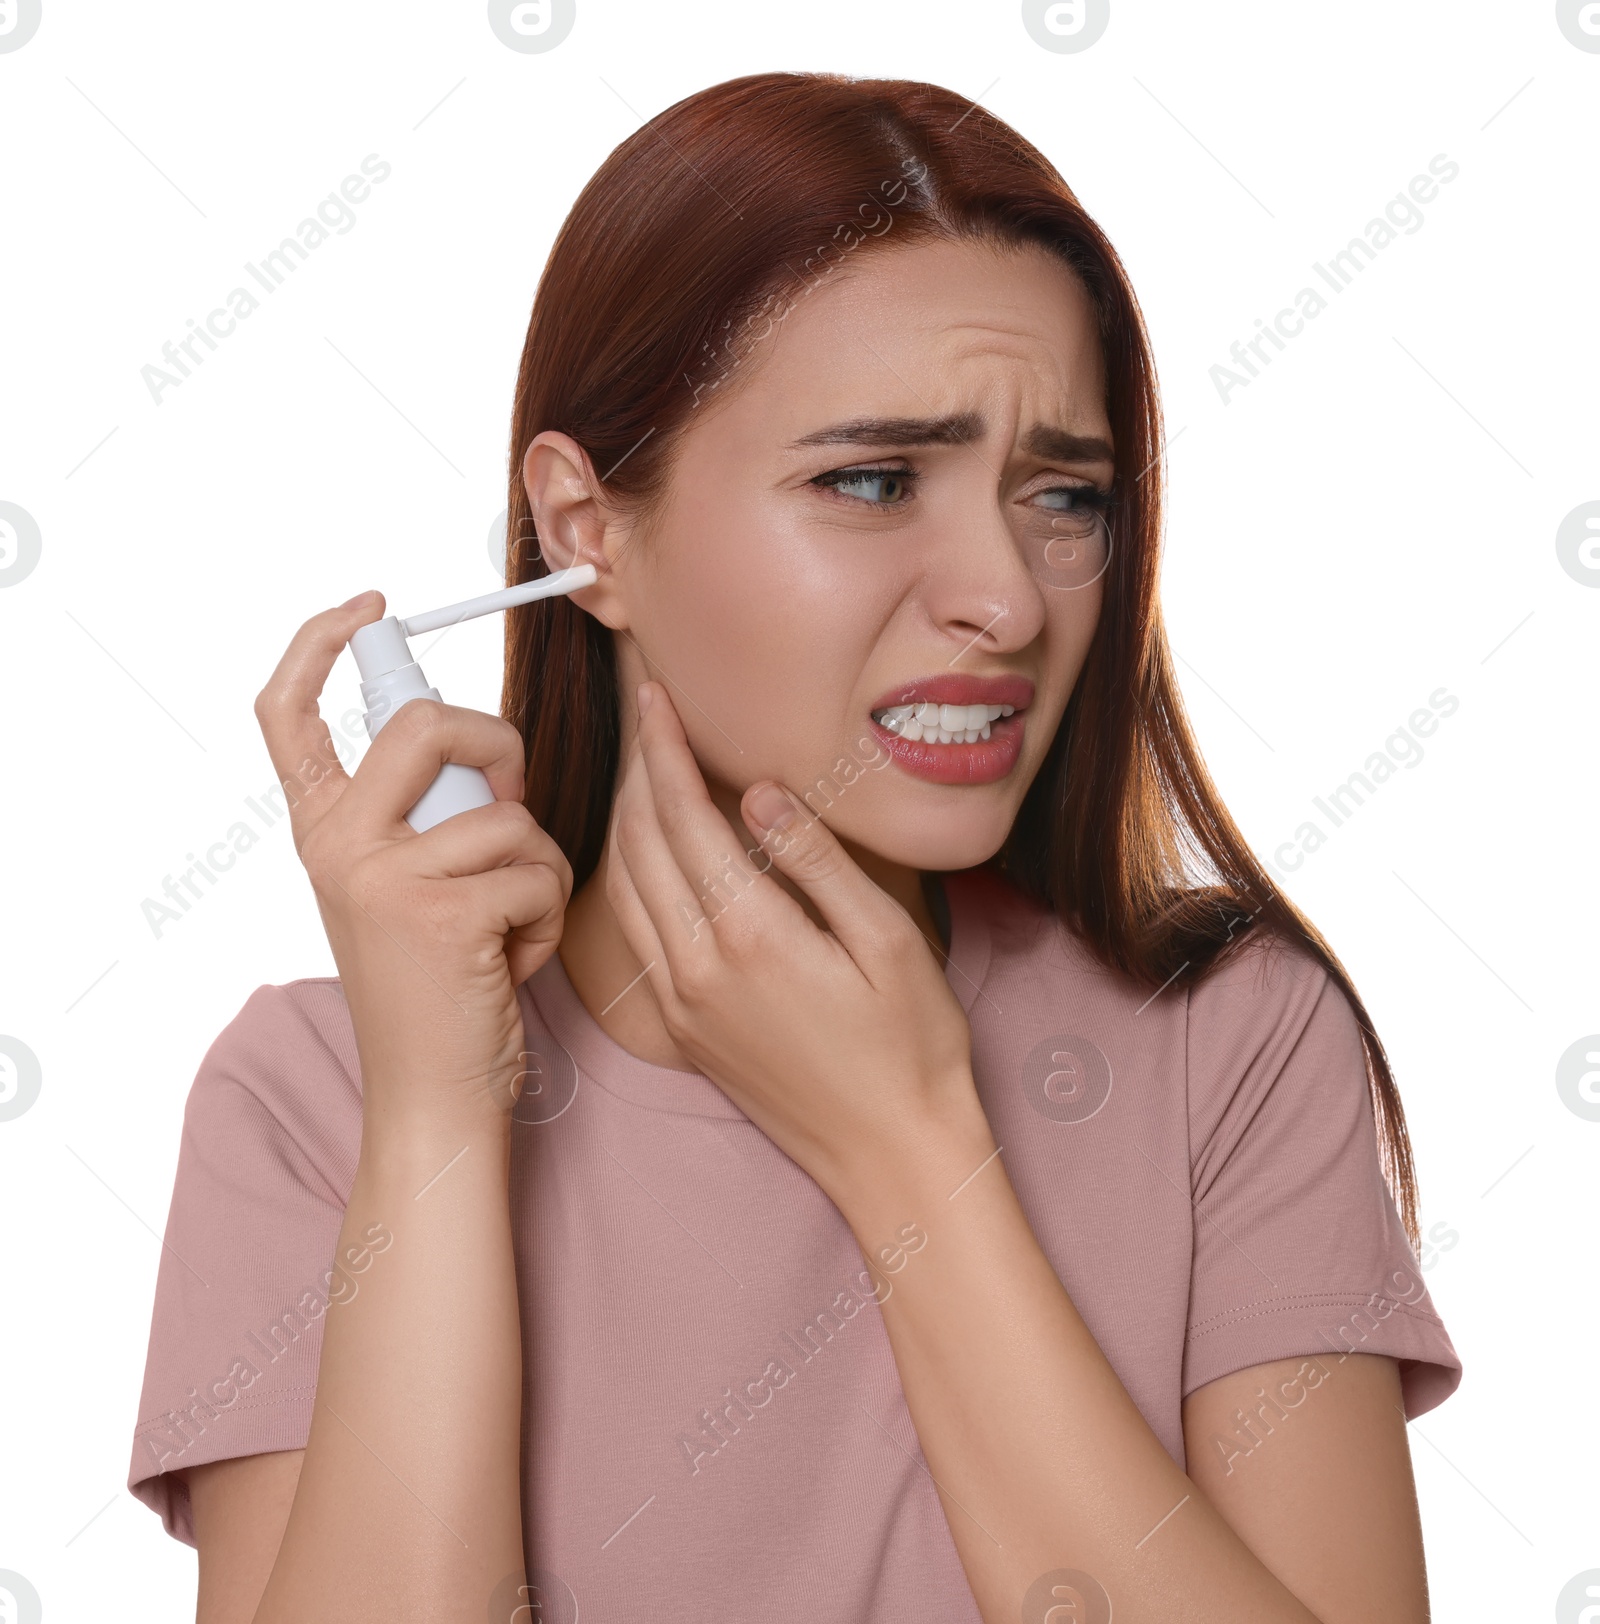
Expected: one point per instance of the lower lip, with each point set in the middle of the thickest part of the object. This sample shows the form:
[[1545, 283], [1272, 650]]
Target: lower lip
[[985, 762]]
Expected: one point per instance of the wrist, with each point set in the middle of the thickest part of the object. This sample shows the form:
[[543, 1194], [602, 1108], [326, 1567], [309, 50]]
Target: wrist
[[414, 1146], [912, 1172]]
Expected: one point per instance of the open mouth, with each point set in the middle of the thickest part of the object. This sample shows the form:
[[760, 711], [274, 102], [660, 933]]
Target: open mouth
[[942, 724], [953, 729]]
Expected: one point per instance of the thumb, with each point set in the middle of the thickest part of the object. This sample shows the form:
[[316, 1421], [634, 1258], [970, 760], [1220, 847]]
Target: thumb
[[807, 852]]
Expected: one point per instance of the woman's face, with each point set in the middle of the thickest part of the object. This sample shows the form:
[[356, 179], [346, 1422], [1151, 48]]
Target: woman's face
[[887, 507]]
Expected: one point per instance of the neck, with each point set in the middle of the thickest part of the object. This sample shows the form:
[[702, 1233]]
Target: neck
[[599, 962]]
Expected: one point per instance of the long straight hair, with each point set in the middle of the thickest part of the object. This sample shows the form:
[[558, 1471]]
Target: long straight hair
[[694, 237]]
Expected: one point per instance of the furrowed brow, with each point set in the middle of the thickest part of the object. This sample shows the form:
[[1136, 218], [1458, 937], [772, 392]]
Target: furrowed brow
[[890, 431], [1042, 440]]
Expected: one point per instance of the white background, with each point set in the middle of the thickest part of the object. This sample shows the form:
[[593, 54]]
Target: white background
[[1371, 519]]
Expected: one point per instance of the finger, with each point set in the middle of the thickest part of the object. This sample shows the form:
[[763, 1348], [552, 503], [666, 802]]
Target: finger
[[416, 742], [634, 918], [485, 838], [528, 902], [652, 882], [302, 750], [699, 838], [868, 923], [638, 930], [526, 897]]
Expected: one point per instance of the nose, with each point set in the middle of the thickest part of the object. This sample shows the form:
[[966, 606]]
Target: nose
[[978, 587]]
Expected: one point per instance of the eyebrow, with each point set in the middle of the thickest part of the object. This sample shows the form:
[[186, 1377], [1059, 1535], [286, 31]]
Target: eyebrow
[[1042, 440]]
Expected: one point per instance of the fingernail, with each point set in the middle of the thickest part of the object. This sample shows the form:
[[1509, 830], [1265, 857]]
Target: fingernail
[[359, 598], [644, 696], [771, 808]]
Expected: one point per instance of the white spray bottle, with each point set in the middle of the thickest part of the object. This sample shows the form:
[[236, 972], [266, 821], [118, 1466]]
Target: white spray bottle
[[389, 677]]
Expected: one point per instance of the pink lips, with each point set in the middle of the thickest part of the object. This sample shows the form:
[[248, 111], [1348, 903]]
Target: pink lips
[[982, 763]]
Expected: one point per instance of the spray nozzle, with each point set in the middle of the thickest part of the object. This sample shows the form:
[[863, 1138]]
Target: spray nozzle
[[390, 677], [381, 647]]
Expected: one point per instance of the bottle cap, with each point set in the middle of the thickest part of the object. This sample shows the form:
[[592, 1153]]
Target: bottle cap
[[380, 648]]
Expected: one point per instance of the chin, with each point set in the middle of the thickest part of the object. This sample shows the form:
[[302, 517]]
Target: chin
[[941, 844]]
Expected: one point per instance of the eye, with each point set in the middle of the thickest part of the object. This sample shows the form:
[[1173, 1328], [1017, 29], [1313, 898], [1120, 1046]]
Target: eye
[[876, 487], [1077, 497], [1074, 509]]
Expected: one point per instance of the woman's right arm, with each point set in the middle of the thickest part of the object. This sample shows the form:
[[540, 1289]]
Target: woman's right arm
[[406, 1501]]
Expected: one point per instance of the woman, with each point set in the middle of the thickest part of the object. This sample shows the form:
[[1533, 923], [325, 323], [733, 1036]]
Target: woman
[[852, 1131]]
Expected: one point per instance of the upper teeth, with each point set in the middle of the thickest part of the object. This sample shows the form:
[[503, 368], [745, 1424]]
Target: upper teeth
[[942, 724]]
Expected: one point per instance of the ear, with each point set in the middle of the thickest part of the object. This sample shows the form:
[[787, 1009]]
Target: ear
[[573, 522]]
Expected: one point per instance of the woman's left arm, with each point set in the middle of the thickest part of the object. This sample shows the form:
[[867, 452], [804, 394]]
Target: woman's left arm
[[1062, 1502]]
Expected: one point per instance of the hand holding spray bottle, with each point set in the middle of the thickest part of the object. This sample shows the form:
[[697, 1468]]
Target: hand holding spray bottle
[[390, 677]]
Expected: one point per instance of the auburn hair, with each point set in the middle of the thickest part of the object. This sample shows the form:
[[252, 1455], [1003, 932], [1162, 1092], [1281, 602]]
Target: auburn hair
[[694, 236]]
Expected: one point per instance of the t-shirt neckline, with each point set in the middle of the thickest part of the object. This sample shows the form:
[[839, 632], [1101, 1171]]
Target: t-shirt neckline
[[604, 1062]]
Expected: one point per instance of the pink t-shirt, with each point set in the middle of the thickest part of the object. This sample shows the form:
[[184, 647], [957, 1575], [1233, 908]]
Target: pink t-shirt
[[713, 1421]]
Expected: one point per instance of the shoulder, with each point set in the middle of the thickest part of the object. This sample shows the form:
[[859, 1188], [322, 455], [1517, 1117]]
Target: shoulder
[[1274, 1053], [287, 1023], [1266, 988], [281, 1083], [1262, 989]]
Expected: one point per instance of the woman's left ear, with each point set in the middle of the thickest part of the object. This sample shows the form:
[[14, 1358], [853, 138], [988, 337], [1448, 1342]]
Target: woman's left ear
[[573, 524]]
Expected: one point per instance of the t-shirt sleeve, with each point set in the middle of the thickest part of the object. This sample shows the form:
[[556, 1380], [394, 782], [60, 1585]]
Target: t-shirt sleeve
[[1298, 1247], [271, 1132]]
